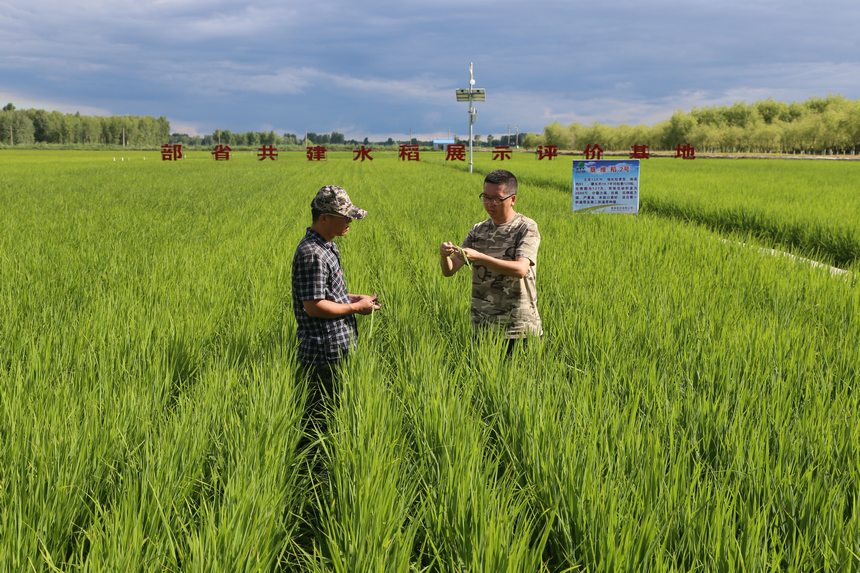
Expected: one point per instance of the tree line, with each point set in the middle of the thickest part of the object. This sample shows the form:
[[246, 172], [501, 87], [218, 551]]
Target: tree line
[[236, 139], [285, 140], [819, 125], [31, 126], [257, 138], [828, 125]]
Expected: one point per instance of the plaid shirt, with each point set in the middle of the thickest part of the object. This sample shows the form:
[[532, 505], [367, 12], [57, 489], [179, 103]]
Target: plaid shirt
[[317, 275]]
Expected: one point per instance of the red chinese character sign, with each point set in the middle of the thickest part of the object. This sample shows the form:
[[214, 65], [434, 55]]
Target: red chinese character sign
[[267, 152], [456, 152], [593, 151], [409, 152], [640, 152], [685, 151], [361, 154], [606, 186], [501, 152], [316, 153], [171, 152], [547, 151], [221, 152]]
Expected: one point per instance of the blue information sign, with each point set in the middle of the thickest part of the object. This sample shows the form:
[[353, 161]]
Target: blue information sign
[[606, 186]]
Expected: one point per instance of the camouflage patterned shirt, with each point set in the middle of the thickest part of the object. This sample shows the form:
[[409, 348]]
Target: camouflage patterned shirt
[[505, 302]]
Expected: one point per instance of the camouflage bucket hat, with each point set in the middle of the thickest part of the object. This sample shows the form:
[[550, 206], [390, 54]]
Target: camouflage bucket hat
[[333, 199]]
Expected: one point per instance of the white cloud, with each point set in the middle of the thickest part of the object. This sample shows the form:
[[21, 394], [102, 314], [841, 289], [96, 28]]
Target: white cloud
[[282, 81], [188, 127], [229, 77], [249, 22], [25, 101], [416, 88]]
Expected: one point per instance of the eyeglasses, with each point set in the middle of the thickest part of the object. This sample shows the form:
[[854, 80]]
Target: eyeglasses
[[494, 200]]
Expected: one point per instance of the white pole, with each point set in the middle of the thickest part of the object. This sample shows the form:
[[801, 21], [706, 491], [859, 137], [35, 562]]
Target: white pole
[[471, 124], [471, 114]]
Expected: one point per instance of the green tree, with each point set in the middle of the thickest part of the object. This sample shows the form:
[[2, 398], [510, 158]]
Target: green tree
[[594, 134], [793, 112], [853, 126], [740, 115], [709, 116], [558, 135], [836, 133], [765, 137], [16, 127], [706, 137], [532, 140], [39, 117], [162, 130], [770, 110]]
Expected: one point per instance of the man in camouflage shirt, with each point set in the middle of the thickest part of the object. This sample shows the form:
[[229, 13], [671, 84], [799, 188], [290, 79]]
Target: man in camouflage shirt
[[503, 253]]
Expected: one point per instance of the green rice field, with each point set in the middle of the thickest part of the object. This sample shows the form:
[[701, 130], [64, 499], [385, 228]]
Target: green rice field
[[692, 405]]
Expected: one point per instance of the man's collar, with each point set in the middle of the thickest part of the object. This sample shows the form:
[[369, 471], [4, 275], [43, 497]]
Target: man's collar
[[320, 239], [316, 236], [512, 219]]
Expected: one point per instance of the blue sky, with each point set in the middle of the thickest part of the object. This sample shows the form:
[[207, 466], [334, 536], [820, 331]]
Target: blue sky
[[389, 69]]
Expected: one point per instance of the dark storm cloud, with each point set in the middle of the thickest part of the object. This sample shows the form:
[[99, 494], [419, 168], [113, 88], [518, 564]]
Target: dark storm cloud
[[378, 68]]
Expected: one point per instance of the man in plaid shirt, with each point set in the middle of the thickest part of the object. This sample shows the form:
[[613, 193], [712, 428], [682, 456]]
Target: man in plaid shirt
[[324, 310]]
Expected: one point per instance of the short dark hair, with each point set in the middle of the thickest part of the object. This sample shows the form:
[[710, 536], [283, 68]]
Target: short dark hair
[[503, 177], [315, 213]]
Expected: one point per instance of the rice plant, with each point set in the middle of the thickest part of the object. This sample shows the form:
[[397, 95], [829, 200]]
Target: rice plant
[[691, 405]]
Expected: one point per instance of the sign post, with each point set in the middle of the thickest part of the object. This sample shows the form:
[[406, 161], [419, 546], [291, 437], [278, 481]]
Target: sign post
[[606, 186]]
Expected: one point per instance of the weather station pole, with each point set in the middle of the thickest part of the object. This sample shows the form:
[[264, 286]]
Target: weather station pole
[[473, 113], [471, 95]]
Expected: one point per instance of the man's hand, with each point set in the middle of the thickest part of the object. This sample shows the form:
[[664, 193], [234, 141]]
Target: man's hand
[[447, 249], [364, 303], [451, 258], [473, 255]]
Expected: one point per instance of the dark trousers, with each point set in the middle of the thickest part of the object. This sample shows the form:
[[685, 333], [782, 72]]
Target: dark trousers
[[483, 334], [511, 344], [322, 382]]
